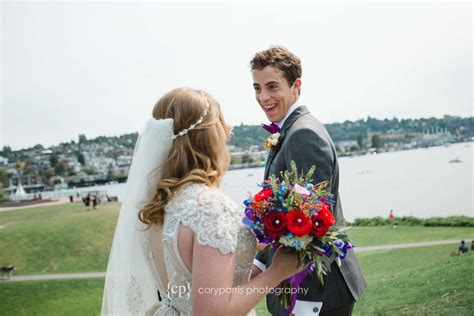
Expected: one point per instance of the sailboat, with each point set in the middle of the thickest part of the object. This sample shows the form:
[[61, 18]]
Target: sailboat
[[20, 193]]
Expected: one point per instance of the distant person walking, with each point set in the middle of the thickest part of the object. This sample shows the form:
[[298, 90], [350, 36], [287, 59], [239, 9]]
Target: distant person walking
[[87, 201], [391, 218], [95, 201], [472, 245]]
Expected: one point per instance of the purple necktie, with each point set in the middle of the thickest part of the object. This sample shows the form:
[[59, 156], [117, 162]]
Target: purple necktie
[[271, 128]]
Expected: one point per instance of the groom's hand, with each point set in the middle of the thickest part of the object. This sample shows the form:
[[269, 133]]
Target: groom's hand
[[261, 246]]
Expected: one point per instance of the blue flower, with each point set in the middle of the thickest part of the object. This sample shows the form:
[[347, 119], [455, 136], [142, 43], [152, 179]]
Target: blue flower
[[327, 250], [248, 202], [247, 222]]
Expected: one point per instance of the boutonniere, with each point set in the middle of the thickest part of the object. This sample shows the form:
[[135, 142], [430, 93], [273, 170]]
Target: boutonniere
[[273, 140]]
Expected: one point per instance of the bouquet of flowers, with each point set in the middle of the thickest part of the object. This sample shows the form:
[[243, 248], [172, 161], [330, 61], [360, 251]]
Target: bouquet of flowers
[[295, 214]]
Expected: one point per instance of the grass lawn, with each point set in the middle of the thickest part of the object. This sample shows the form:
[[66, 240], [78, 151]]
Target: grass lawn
[[58, 297], [67, 238], [417, 281], [55, 239], [421, 281]]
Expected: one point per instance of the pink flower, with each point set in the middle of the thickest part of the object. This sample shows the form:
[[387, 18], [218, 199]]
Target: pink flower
[[302, 191]]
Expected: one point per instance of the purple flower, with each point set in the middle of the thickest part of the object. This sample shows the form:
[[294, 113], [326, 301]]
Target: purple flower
[[263, 238], [344, 249]]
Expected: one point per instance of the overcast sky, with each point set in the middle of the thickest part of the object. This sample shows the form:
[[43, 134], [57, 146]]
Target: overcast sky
[[98, 68]]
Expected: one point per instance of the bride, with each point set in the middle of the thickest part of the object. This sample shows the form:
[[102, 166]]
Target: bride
[[179, 247]]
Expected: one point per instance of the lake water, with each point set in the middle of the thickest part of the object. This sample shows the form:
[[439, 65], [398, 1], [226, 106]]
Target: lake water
[[419, 182]]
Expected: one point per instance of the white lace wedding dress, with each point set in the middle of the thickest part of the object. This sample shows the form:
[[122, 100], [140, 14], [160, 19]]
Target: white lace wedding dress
[[216, 222]]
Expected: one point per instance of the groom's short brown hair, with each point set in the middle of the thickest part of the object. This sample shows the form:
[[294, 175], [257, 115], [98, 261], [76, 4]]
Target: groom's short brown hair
[[279, 57]]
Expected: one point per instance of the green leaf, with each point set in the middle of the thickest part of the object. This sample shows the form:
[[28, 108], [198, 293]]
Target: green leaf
[[309, 175], [294, 169]]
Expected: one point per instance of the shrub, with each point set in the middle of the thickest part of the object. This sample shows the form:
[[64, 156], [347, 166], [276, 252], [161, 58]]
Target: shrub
[[451, 221]]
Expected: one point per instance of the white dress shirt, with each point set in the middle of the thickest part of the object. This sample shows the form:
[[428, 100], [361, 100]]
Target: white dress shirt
[[295, 105]]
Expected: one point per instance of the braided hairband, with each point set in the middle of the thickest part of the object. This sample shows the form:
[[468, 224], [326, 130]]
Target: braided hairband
[[199, 120]]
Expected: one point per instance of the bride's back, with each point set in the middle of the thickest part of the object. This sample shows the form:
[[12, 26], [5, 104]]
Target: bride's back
[[196, 163], [212, 218]]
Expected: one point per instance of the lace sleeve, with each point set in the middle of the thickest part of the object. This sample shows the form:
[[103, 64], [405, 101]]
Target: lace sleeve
[[214, 219]]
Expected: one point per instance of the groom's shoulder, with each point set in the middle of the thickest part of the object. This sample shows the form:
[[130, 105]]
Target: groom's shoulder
[[308, 131], [308, 123]]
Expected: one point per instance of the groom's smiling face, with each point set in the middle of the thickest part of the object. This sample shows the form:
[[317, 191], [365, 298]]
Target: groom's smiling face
[[274, 93]]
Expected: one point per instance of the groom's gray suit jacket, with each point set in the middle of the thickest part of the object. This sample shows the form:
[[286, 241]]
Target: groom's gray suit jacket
[[307, 142]]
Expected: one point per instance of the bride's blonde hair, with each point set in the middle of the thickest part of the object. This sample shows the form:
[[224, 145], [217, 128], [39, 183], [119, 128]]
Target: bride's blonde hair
[[198, 156]]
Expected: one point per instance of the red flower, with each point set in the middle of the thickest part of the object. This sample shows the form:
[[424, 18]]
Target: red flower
[[265, 193], [275, 224], [298, 224], [322, 221]]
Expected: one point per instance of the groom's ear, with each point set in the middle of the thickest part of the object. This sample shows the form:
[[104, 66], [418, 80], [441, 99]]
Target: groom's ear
[[297, 85]]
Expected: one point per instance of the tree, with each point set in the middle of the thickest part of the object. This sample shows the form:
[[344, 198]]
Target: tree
[[82, 139], [354, 148], [3, 196], [60, 168], [6, 151], [360, 141], [30, 170], [377, 142], [234, 160], [46, 174], [110, 172], [81, 159], [89, 171], [70, 171], [247, 158], [53, 160], [4, 178]]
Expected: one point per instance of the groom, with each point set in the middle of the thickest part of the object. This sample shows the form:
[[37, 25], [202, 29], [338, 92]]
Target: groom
[[276, 76]]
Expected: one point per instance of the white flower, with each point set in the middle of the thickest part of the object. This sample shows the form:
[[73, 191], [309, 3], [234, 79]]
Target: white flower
[[273, 140]]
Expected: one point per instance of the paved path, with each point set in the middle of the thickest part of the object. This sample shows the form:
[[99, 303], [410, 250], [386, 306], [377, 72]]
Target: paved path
[[54, 202], [91, 275], [409, 245], [63, 276]]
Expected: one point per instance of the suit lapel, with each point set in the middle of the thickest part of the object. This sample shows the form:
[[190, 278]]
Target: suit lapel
[[300, 111], [270, 156]]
